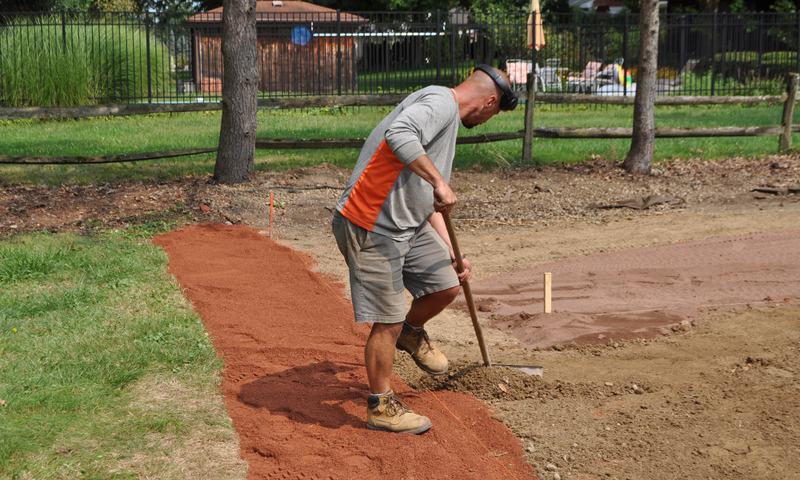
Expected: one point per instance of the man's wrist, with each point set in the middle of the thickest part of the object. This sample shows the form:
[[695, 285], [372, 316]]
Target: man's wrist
[[463, 256]]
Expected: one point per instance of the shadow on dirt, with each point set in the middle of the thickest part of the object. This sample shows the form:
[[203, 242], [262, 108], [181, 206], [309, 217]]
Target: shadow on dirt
[[311, 394]]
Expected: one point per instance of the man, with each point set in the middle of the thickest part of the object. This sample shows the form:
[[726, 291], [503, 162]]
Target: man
[[388, 225]]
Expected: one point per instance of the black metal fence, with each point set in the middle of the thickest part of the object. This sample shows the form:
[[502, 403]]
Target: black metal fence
[[165, 58]]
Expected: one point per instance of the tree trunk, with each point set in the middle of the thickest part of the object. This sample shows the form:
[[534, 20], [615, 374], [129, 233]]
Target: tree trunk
[[237, 135], [640, 156]]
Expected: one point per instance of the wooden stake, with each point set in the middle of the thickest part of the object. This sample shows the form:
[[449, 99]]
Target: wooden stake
[[271, 204], [548, 283]]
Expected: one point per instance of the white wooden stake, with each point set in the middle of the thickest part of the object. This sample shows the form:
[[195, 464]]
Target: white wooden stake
[[548, 284]]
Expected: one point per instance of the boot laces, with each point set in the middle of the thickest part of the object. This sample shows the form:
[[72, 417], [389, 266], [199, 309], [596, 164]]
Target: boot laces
[[395, 406], [424, 341]]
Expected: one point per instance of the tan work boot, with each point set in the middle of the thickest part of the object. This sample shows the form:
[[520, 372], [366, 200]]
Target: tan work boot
[[392, 415], [424, 353]]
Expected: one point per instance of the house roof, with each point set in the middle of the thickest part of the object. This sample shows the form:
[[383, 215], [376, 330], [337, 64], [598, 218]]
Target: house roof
[[285, 11]]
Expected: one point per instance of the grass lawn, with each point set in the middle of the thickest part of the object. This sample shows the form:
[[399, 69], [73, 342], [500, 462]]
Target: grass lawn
[[112, 135], [105, 370]]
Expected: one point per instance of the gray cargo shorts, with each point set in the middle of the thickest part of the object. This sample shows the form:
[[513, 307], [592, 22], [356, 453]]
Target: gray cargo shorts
[[381, 268]]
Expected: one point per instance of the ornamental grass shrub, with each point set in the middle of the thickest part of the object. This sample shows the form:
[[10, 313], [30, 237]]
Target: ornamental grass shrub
[[47, 63]]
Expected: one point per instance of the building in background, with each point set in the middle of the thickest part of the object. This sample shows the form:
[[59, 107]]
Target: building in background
[[302, 48]]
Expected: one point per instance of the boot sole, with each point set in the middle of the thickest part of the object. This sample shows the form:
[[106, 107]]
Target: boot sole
[[420, 365], [416, 431]]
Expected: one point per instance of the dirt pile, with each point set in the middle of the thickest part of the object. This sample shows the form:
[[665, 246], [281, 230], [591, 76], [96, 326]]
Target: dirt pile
[[294, 380]]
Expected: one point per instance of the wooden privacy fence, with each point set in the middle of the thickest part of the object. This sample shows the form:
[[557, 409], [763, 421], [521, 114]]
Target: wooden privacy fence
[[784, 129]]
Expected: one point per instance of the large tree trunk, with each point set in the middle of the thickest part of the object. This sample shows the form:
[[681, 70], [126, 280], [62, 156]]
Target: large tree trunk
[[237, 135], [640, 156]]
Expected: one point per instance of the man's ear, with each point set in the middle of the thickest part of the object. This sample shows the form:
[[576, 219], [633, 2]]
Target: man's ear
[[491, 101]]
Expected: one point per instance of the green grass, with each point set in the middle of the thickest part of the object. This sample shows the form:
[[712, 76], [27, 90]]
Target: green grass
[[411, 80], [105, 371], [113, 135]]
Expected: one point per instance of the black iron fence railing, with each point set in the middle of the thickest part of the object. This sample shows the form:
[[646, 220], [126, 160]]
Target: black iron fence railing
[[68, 58]]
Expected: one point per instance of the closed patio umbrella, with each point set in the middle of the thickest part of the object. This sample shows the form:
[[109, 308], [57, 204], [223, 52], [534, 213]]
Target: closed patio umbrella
[[539, 30]]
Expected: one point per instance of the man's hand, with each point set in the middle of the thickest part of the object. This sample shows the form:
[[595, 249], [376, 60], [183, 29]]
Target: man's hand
[[466, 275], [443, 198]]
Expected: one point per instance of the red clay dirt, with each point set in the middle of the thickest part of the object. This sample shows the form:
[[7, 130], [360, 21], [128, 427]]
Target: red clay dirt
[[294, 381], [641, 293]]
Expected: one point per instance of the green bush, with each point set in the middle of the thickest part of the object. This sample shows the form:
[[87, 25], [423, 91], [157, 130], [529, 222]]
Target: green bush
[[40, 69], [47, 64], [120, 56]]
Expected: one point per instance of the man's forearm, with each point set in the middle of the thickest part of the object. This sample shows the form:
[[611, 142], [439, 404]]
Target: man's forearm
[[425, 169], [443, 197]]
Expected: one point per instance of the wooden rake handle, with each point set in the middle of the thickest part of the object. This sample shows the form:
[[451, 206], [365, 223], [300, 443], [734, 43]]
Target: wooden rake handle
[[467, 290]]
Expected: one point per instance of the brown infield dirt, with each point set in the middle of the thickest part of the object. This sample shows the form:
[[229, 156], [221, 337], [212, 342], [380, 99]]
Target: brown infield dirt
[[672, 351]]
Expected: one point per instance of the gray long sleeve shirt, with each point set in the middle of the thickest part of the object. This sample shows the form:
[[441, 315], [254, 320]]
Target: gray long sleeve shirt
[[382, 195]]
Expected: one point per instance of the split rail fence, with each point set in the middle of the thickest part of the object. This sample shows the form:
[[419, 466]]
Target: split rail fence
[[783, 130]]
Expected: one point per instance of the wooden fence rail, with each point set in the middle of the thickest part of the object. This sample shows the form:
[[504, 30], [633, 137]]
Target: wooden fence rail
[[784, 130], [671, 100], [87, 159], [121, 109]]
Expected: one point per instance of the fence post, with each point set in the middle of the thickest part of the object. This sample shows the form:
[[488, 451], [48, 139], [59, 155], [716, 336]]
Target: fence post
[[527, 140], [64, 29], [453, 50], [339, 51], [713, 50], [626, 67], [792, 80], [386, 67], [723, 67], [602, 41], [684, 41], [147, 44], [761, 46], [439, 47]]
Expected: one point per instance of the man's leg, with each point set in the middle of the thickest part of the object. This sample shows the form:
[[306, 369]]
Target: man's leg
[[424, 308], [385, 411], [429, 275], [379, 355], [375, 272], [413, 337]]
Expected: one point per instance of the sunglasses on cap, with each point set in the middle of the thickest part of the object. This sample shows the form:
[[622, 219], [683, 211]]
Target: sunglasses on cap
[[509, 100]]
